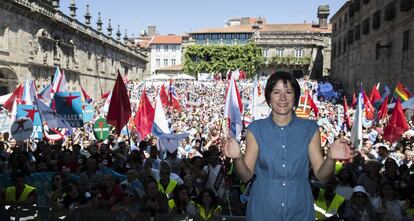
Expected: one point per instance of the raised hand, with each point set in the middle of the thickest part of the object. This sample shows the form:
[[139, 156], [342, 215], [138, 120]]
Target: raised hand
[[341, 149], [231, 148]]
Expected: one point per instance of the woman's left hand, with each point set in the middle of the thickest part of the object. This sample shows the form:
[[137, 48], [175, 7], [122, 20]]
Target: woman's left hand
[[341, 150]]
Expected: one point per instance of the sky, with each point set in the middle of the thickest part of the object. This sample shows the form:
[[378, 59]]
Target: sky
[[183, 16]]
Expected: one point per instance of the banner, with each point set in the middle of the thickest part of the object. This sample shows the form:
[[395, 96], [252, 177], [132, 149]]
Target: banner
[[101, 129], [31, 112], [87, 112], [21, 129], [5, 123], [69, 106]]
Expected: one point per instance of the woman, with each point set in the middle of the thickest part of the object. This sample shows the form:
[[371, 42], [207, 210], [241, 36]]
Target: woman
[[278, 151], [181, 203], [386, 205], [207, 206], [128, 207]]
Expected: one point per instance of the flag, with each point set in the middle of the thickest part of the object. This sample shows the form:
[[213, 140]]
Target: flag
[[88, 98], [163, 96], [242, 75], [354, 101], [16, 96], [385, 93], [346, 114], [368, 108], [105, 95], [119, 110], [107, 102], [303, 110], [173, 97], [144, 117], [233, 109], [313, 105], [356, 131], [59, 81], [397, 124], [29, 92], [171, 142], [160, 125], [375, 95], [402, 92], [259, 108], [45, 95], [384, 110], [52, 119]]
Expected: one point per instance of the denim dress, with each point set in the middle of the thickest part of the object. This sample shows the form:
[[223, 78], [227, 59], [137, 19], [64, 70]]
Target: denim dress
[[281, 190]]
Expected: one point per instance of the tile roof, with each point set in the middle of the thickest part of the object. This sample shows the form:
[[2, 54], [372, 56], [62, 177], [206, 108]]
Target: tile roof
[[305, 27], [166, 39], [229, 29]]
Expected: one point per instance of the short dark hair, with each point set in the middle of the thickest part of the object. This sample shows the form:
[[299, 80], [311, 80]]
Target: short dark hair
[[285, 77]]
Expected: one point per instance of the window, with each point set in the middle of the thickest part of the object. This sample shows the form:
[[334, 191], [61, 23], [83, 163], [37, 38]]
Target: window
[[334, 28], [390, 11], [365, 27], [334, 50], [172, 62], [265, 52], [165, 62], [406, 40], [4, 40], [376, 20], [173, 48], [340, 23], [377, 51], [365, 1], [406, 5], [344, 42], [157, 62], [157, 48], [166, 48], [357, 32], [350, 37], [279, 52], [299, 53], [357, 5]]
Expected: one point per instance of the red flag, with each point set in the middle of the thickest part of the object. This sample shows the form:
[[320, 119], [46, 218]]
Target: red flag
[[163, 96], [369, 109], [313, 105], [384, 109], [173, 97], [144, 116], [119, 110], [346, 114], [397, 124], [17, 94], [375, 94], [88, 98], [353, 102], [242, 74], [105, 95]]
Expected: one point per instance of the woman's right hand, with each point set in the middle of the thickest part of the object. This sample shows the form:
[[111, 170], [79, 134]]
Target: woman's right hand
[[231, 148]]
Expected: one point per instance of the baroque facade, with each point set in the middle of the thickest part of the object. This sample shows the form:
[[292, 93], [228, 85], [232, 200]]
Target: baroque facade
[[301, 49], [35, 36], [373, 42]]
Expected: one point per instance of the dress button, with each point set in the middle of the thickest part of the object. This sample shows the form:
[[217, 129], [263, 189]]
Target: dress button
[[283, 146], [283, 204], [284, 184], [282, 128], [283, 165]]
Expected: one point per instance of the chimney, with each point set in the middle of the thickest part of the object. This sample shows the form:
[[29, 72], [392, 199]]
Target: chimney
[[323, 13], [152, 30], [244, 21]]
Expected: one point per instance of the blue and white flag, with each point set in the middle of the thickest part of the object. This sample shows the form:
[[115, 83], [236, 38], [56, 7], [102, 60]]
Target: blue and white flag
[[170, 142], [160, 125], [356, 131], [52, 119], [46, 94], [233, 109]]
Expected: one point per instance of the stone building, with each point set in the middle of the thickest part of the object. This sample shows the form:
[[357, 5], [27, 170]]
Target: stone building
[[35, 36], [296, 48], [373, 42]]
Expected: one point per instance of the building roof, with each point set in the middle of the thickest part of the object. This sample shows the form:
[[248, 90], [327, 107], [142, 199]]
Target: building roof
[[229, 29], [178, 67], [305, 27], [166, 39], [339, 12], [143, 42]]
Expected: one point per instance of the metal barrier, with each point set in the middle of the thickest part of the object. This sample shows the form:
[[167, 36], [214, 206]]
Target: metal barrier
[[44, 213]]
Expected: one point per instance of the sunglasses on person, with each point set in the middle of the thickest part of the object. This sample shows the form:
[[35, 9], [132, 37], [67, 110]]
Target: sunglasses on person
[[360, 194]]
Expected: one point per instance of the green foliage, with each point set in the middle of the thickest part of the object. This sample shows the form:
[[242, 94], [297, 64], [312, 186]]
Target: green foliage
[[289, 61], [221, 58]]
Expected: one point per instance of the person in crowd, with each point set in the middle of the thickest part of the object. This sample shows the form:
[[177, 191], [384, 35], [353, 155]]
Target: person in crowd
[[328, 204], [371, 180], [57, 187], [166, 184], [153, 202], [208, 205], [133, 182], [386, 205], [359, 207], [181, 203], [73, 199], [128, 207], [19, 192], [91, 176], [281, 190], [111, 192], [345, 184]]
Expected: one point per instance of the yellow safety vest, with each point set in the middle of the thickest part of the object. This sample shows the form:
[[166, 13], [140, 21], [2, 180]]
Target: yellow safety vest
[[322, 211], [410, 211], [338, 167], [11, 194], [170, 188], [202, 212]]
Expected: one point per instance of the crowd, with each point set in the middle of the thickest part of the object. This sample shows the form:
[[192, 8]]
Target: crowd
[[137, 176]]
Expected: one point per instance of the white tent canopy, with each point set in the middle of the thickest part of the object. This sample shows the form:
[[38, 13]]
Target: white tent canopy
[[183, 77], [408, 104], [159, 77]]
